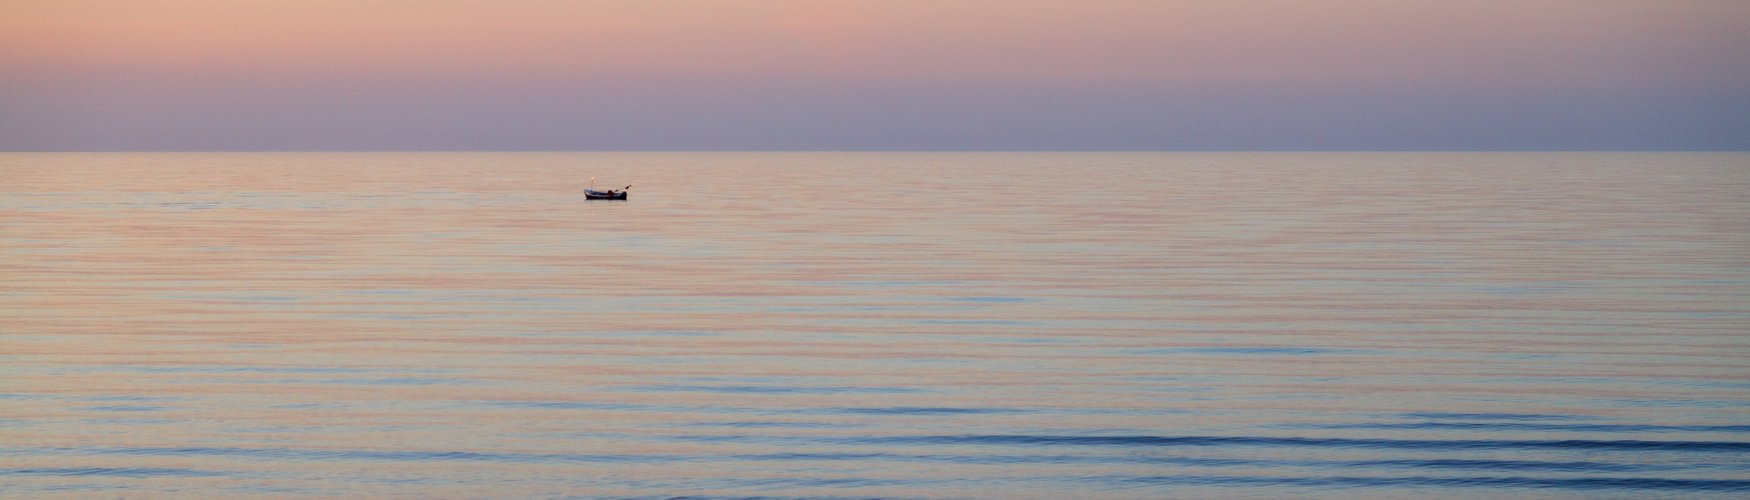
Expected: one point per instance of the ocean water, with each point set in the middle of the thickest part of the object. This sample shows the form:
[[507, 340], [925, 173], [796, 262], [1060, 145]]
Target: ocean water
[[875, 325]]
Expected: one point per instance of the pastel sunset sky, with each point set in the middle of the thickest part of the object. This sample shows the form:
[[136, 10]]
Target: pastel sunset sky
[[502, 75]]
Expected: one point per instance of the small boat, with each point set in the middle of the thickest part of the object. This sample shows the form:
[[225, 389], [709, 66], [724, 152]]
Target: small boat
[[590, 194]]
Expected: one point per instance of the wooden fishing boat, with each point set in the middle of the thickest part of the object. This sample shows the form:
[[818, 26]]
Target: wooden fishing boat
[[604, 195]]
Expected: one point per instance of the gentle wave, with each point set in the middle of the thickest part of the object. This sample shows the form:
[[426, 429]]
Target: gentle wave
[[1733, 465], [1416, 444], [1498, 426], [1582, 484], [137, 472]]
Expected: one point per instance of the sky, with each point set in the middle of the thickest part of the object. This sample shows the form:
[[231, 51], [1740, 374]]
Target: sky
[[953, 75]]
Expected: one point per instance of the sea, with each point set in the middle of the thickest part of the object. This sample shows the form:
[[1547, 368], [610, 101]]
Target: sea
[[865, 325]]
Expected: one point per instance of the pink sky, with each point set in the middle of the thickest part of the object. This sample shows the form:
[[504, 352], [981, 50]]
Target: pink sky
[[489, 50]]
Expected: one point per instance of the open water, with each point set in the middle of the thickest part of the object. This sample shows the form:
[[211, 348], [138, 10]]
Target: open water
[[876, 325]]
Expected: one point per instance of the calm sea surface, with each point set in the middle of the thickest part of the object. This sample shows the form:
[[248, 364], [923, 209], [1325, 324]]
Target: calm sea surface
[[876, 325]]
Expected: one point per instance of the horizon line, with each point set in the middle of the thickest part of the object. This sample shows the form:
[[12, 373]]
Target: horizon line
[[883, 151]]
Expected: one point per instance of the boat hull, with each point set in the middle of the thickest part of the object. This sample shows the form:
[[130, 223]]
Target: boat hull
[[593, 195]]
